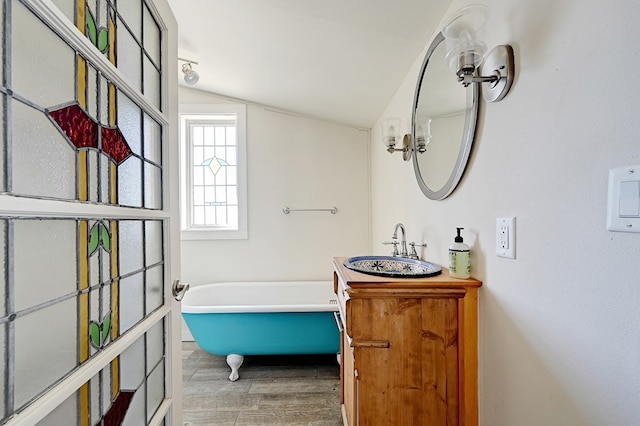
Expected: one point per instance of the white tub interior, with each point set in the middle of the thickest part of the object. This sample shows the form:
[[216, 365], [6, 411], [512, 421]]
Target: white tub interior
[[287, 296]]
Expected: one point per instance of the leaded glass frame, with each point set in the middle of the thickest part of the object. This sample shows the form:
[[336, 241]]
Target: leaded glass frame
[[83, 279]]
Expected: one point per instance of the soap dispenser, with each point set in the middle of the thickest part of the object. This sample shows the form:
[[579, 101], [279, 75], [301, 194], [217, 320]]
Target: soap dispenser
[[459, 258]]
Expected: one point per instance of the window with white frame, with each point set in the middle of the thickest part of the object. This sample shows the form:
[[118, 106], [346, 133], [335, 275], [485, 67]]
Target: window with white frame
[[213, 171]]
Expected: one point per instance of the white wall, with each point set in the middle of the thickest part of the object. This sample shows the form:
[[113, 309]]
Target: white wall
[[299, 163], [559, 325]]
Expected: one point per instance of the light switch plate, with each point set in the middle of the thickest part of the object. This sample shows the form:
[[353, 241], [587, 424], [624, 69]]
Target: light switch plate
[[623, 207], [506, 237]]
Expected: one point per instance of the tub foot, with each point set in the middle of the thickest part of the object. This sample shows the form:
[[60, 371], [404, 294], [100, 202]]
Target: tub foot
[[234, 361]]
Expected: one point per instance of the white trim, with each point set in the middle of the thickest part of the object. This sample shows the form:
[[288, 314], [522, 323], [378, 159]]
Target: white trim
[[37, 207], [215, 233]]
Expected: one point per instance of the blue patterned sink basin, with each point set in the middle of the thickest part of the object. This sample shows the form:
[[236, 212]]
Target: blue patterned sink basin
[[388, 266]]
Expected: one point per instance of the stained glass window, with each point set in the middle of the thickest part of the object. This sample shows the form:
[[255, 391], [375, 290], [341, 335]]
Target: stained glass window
[[75, 133], [214, 184]]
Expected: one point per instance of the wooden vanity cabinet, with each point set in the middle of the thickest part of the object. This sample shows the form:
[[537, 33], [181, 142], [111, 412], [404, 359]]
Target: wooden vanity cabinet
[[408, 349]]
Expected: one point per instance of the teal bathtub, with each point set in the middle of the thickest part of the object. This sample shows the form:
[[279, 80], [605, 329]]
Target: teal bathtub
[[262, 318]]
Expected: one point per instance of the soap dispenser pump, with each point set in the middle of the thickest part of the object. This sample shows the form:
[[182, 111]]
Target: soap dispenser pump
[[459, 258]]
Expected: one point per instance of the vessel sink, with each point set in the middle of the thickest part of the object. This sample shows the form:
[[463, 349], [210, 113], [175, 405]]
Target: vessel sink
[[389, 266]]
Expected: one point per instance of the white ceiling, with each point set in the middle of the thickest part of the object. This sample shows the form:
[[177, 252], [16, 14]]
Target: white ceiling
[[340, 60]]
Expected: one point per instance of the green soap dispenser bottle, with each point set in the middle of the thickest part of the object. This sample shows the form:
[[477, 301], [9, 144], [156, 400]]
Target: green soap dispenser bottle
[[459, 258]]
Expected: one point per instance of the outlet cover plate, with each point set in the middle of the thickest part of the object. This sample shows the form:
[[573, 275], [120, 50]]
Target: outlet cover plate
[[506, 237]]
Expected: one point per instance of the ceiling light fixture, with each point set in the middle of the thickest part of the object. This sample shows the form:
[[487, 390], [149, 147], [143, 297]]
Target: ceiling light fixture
[[190, 76], [465, 51]]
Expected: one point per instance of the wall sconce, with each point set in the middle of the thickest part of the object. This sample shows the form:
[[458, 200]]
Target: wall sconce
[[391, 136], [463, 35], [190, 76]]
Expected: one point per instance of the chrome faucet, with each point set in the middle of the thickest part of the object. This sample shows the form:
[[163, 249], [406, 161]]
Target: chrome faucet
[[403, 244]]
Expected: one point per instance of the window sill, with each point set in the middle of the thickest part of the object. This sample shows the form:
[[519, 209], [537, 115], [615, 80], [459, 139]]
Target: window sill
[[218, 234]]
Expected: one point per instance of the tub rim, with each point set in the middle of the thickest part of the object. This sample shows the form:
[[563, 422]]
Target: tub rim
[[246, 308]]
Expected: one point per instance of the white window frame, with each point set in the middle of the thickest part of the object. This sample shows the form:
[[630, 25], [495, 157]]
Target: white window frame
[[188, 230]]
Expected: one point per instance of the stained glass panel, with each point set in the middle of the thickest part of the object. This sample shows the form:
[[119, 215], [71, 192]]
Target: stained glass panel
[[129, 48], [65, 414], [152, 140], [129, 183], [131, 248], [53, 244], [153, 237], [151, 82], [3, 372], [59, 120], [131, 301], [45, 349], [152, 186], [130, 11], [36, 147], [154, 289], [33, 62], [3, 139], [151, 37]]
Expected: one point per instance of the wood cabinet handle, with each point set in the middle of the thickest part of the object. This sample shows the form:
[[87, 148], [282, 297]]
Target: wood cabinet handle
[[370, 344]]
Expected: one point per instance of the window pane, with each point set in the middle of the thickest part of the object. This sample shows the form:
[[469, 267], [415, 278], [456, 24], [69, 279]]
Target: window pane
[[34, 62], [154, 288], [151, 82], [128, 48], [130, 182], [45, 349], [43, 161], [153, 187], [152, 140], [131, 249], [151, 37], [131, 301], [52, 243], [131, 12]]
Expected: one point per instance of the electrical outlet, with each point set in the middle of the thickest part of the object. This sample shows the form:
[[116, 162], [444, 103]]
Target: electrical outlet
[[506, 237]]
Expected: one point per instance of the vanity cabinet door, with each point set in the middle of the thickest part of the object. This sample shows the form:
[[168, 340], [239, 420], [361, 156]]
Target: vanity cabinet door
[[406, 354]]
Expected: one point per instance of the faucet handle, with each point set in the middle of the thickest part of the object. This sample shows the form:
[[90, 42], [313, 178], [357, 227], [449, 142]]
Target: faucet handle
[[414, 254], [395, 247]]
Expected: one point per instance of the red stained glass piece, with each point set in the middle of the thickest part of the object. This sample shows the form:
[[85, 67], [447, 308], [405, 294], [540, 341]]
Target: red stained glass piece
[[114, 144], [115, 415], [81, 130]]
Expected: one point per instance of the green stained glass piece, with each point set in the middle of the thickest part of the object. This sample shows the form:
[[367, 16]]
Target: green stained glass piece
[[91, 28], [94, 239], [103, 40], [106, 327], [106, 238], [94, 333]]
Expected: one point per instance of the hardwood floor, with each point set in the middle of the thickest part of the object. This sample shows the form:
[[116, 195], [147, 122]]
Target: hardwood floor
[[272, 390]]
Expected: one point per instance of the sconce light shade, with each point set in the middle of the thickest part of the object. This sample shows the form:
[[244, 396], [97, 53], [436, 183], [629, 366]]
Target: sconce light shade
[[391, 132], [190, 76], [391, 135], [463, 34]]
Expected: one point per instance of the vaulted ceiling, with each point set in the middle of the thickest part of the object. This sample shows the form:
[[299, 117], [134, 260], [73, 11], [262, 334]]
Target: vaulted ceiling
[[340, 60]]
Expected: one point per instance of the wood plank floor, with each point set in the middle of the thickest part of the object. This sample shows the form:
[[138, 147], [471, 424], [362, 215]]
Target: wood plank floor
[[272, 390]]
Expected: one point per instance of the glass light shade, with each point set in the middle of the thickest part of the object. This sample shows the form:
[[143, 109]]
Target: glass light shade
[[463, 35], [391, 131], [190, 76]]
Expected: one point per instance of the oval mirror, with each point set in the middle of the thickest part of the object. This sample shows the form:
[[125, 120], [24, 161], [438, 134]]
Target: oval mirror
[[443, 126]]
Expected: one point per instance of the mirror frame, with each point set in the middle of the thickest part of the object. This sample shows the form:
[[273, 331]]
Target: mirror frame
[[468, 135]]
